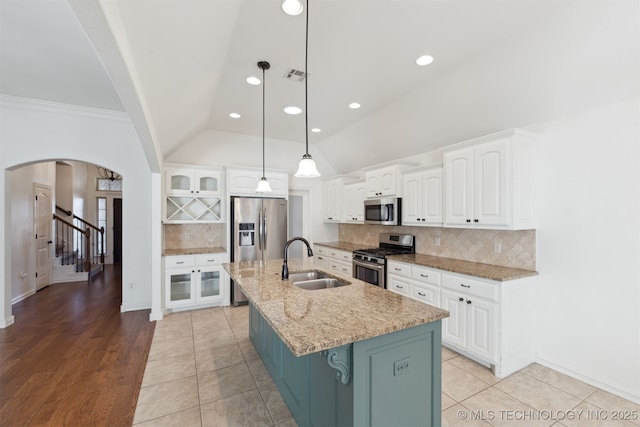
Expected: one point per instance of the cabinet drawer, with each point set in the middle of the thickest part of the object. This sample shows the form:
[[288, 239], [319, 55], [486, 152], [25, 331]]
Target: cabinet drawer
[[426, 275], [340, 255], [426, 294], [399, 286], [340, 267], [470, 286], [320, 250], [210, 259], [179, 261], [399, 269]]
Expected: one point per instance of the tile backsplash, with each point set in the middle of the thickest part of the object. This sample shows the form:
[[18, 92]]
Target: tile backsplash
[[517, 248], [185, 236]]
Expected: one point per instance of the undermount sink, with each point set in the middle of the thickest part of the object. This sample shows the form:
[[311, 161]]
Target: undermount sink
[[307, 275], [314, 279]]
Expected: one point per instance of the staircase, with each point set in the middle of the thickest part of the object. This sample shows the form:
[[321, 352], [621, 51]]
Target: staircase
[[79, 249]]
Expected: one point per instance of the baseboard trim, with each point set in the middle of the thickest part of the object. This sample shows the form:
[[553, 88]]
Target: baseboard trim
[[22, 297], [153, 316], [7, 322], [589, 380], [124, 309]]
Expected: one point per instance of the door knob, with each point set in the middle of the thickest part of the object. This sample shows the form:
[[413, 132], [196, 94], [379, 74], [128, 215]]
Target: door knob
[[49, 242]]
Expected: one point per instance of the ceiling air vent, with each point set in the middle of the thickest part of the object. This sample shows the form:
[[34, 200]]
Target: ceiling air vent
[[295, 75]]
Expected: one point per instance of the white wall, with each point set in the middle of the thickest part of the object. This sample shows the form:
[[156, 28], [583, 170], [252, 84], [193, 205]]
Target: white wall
[[217, 148], [34, 131], [22, 237], [588, 256]]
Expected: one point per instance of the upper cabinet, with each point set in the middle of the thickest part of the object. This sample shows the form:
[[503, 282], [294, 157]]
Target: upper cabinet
[[243, 182], [193, 194], [353, 202], [185, 181], [488, 182], [385, 181], [422, 196], [332, 200]]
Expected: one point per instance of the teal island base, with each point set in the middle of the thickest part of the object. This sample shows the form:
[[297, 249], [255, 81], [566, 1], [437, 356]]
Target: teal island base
[[389, 380]]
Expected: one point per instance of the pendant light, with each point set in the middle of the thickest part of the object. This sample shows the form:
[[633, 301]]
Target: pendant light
[[263, 184], [307, 167]]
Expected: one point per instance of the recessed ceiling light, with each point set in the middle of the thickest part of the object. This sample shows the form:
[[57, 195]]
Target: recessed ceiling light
[[254, 81], [424, 60], [234, 115], [292, 7], [292, 110], [354, 105], [316, 130]]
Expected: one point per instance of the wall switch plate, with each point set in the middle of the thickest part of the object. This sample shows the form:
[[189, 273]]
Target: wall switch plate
[[497, 247], [401, 366]]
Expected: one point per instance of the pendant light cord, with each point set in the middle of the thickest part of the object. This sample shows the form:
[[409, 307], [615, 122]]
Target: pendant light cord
[[306, 78], [263, 89]]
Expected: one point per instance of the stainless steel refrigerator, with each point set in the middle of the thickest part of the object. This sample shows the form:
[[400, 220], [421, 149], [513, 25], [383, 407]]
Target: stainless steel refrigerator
[[258, 232]]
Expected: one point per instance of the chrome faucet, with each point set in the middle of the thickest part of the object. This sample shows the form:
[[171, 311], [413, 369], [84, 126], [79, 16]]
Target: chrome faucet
[[285, 268]]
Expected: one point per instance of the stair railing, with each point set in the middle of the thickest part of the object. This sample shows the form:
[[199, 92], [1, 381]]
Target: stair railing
[[73, 244], [97, 240]]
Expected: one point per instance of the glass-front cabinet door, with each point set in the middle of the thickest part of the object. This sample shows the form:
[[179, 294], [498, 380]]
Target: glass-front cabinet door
[[209, 284], [179, 287]]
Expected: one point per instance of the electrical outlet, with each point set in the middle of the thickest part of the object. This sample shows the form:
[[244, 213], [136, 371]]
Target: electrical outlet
[[497, 247], [401, 366], [186, 236], [437, 241], [132, 285]]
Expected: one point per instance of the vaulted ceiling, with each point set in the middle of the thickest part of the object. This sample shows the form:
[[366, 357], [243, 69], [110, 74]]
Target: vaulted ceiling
[[497, 64]]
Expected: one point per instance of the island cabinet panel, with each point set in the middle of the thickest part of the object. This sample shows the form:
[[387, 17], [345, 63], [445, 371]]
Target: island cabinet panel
[[393, 379], [389, 368]]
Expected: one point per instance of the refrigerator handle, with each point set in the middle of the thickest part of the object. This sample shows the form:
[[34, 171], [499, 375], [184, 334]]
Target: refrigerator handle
[[264, 228], [260, 229]]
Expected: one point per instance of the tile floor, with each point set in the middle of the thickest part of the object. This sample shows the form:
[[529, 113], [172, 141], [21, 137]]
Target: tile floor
[[203, 371]]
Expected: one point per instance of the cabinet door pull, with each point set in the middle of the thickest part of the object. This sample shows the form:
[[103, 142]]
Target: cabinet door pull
[[179, 262], [421, 294], [468, 301], [210, 259], [475, 220], [397, 269], [465, 286], [399, 287], [468, 220], [460, 299], [424, 275]]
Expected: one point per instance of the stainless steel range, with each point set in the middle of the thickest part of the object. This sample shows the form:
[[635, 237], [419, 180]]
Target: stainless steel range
[[370, 264]]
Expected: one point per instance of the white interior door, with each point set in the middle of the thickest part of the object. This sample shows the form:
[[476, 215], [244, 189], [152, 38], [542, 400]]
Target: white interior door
[[42, 224]]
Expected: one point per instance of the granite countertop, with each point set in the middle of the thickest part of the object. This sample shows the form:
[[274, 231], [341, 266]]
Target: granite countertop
[[486, 271], [193, 251], [343, 246], [311, 321]]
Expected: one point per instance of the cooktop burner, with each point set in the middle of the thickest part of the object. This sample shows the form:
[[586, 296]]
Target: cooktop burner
[[390, 244]]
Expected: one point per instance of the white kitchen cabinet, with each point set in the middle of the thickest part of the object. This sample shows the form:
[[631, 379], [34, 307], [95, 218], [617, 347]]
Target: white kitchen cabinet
[[194, 281], [243, 182], [422, 196], [332, 200], [335, 260], [193, 195], [353, 202], [385, 180], [191, 181], [488, 182], [471, 324], [489, 320], [417, 282]]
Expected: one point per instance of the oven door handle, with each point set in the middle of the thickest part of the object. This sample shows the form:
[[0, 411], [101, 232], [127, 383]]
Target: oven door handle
[[379, 267]]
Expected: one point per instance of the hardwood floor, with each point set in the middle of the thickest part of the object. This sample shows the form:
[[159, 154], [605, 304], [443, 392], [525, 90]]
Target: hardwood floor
[[72, 358]]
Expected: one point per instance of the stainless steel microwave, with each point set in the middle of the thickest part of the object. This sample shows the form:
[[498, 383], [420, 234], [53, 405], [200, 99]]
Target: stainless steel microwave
[[382, 211]]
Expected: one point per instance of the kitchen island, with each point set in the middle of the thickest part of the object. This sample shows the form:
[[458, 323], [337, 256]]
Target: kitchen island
[[351, 355]]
